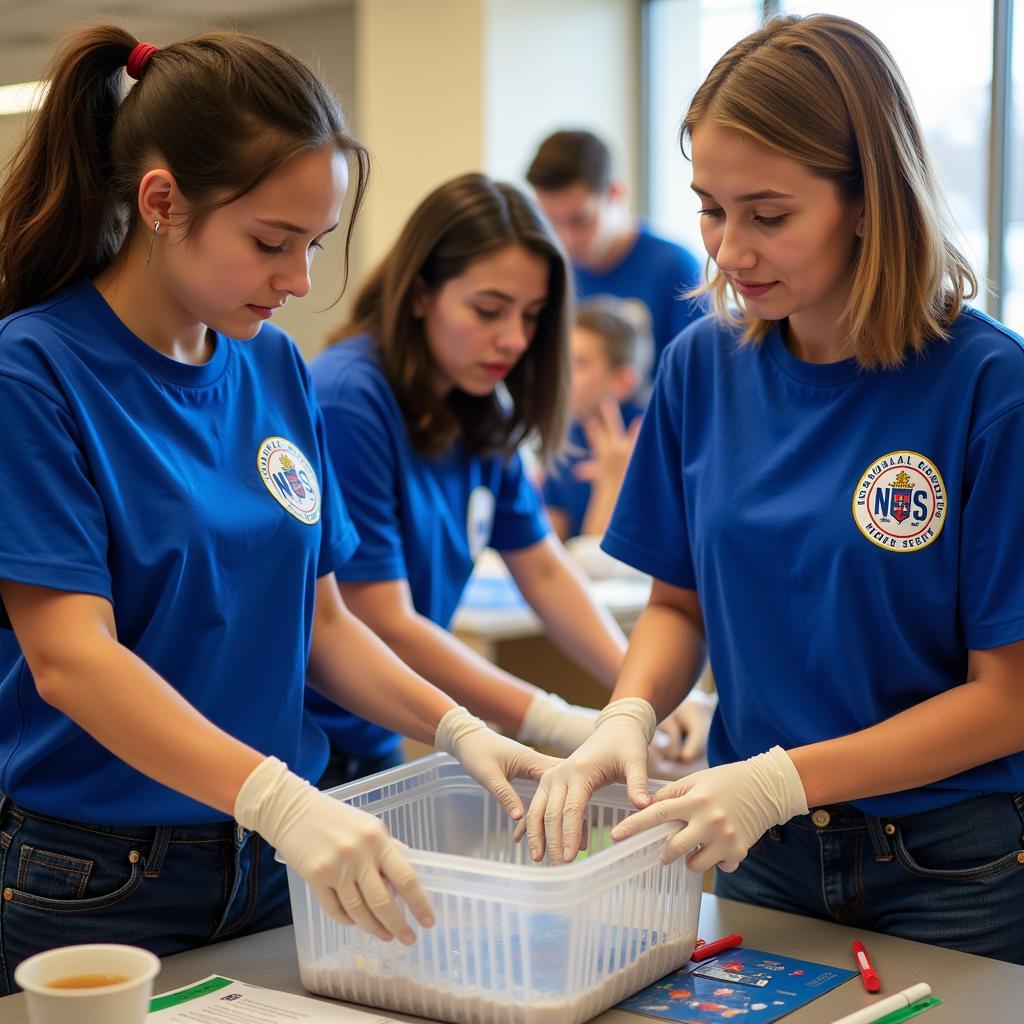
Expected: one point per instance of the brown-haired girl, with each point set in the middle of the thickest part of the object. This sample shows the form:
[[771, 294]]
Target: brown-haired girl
[[826, 490], [167, 566], [473, 294]]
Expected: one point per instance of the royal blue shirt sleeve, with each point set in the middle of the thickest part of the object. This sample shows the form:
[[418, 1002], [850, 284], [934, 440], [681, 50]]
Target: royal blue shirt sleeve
[[363, 457], [992, 537], [519, 518], [648, 528], [52, 525]]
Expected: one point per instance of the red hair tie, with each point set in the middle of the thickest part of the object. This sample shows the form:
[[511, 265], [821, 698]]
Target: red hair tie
[[139, 58]]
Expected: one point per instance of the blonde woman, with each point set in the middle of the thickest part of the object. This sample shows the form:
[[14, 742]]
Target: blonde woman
[[826, 491]]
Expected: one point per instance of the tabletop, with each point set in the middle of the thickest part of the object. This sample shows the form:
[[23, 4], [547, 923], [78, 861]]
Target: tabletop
[[971, 988]]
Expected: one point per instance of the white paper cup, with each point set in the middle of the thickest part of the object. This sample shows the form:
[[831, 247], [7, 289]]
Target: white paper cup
[[124, 1003]]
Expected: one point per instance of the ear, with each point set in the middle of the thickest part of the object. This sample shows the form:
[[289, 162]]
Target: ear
[[420, 294], [858, 224], [159, 198], [617, 191], [625, 382]]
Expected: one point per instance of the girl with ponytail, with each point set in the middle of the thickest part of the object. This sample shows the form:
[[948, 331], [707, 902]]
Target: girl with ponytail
[[167, 554]]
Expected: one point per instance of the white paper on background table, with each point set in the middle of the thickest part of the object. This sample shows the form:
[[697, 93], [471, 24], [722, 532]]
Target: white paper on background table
[[219, 1000]]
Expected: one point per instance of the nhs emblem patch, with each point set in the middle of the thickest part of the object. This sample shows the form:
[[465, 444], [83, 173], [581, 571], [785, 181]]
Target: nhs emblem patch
[[899, 502], [289, 477]]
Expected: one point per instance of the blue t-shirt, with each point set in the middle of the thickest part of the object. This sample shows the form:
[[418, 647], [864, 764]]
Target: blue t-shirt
[[195, 500], [561, 488], [851, 535], [655, 272], [420, 519]]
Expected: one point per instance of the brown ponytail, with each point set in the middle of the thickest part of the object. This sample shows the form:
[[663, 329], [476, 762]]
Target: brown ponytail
[[223, 109]]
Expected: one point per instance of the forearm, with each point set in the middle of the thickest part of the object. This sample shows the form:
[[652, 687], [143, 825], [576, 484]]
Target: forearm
[[968, 725], [133, 712], [556, 590], [665, 658], [351, 665], [468, 677]]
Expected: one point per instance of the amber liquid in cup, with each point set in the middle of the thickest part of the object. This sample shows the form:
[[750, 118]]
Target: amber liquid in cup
[[87, 981]]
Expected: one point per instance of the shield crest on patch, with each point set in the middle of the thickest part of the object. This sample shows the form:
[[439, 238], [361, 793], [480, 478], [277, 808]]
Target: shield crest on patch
[[900, 503], [292, 476]]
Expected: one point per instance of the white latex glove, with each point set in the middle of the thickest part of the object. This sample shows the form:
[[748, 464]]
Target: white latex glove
[[585, 548], [723, 810], [687, 727], [345, 855], [552, 722], [490, 758], [616, 752]]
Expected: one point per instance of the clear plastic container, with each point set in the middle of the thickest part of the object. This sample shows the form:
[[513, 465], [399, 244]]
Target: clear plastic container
[[514, 942]]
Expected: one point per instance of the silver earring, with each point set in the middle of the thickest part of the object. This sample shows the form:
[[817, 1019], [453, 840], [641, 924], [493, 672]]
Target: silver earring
[[149, 255]]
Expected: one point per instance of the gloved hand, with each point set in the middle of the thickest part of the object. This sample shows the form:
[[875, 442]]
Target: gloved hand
[[723, 810], [687, 727], [616, 752], [552, 722], [491, 759], [345, 855]]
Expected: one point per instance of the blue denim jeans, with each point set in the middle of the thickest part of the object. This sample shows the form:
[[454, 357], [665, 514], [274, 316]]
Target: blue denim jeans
[[951, 877], [167, 888]]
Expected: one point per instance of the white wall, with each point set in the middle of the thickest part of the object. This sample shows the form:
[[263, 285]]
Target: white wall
[[554, 64], [325, 39], [449, 86], [419, 104]]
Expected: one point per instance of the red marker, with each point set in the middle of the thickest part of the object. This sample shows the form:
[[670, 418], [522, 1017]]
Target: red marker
[[705, 950], [868, 974]]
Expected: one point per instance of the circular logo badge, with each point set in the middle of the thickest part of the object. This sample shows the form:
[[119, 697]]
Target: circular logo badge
[[290, 478], [479, 520], [899, 502]]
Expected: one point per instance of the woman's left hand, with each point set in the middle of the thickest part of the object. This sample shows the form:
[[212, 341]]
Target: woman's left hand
[[491, 759], [722, 811]]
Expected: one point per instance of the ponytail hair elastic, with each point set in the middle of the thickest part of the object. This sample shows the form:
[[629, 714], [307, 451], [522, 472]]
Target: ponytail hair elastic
[[139, 58]]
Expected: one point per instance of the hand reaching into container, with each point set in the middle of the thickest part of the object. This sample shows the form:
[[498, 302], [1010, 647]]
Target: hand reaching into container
[[345, 855], [722, 810], [616, 752], [491, 759], [552, 722], [687, 727]]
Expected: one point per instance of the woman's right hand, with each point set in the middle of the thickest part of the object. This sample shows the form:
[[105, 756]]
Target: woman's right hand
[[615, 752], [346, 856]]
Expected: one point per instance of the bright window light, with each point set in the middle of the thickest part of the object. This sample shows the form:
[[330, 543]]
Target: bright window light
[[22, 96]]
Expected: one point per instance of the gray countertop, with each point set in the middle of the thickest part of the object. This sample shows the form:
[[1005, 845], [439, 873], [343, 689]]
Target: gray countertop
[[972, 988]]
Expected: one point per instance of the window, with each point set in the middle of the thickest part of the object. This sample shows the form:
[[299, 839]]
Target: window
[[684, 38]]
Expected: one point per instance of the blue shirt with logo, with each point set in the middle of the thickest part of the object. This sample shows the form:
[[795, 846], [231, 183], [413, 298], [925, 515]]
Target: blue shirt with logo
[[561, 488], [424, 520], [850, 534], [655, 272], [196, 501]]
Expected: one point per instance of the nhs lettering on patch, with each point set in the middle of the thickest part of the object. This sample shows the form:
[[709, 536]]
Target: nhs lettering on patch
[[290, 478], [899, 502]]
